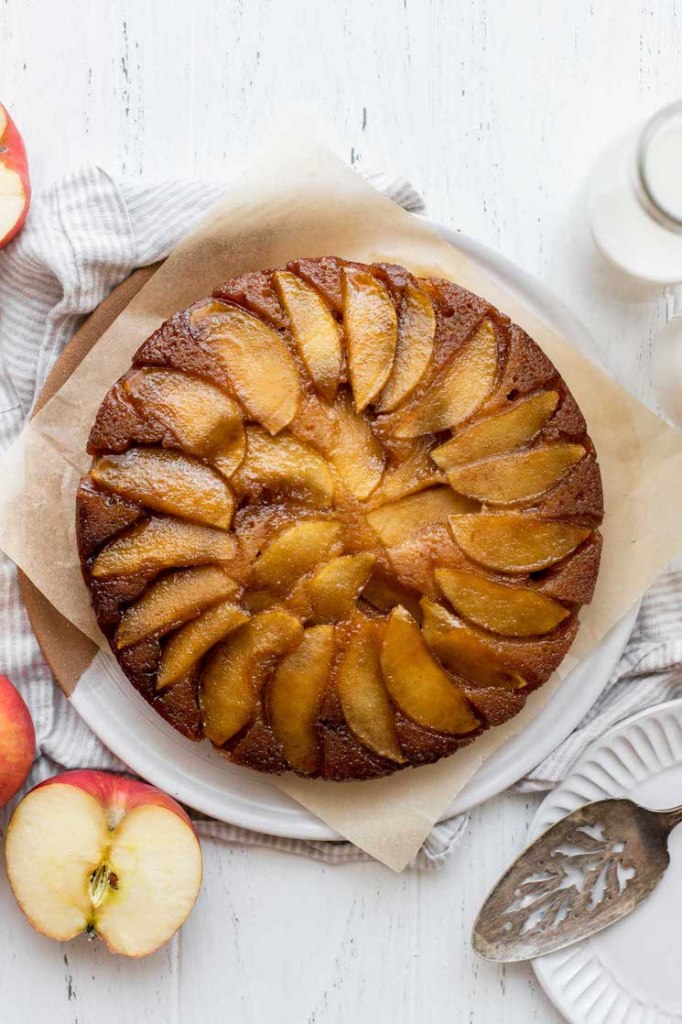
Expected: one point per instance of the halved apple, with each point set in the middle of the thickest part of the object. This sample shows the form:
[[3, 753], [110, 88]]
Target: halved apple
[[163, 544], [294, 552], [417, 683], [190, 643], [168, 482], [511, 611], [295, 695], [15, 186], [516, 476], [396, 521], [335, 587], [357, 455], [371, 328], [238, 668], [363, 694], [416, 331], [456, 393], [260, 368], [199, 414], [315, 331], [173, 600], [465, 651], [514, 542], [283, 464], [500, 433]]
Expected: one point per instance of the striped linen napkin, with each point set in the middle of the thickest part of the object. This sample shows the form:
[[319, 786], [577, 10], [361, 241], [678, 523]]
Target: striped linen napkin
[[84, 235]]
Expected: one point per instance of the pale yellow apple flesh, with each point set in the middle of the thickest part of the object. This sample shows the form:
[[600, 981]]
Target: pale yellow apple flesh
[[464, 651], [363, 694], [173, 600], [295, 694], [72, 869], [497, 434], [416, 331], [513, 542], [371, 327], [511, 611], [516, 476], [163, 544], [315, 331], [283, 464], [417, 683], [192, 641], [167, 482]]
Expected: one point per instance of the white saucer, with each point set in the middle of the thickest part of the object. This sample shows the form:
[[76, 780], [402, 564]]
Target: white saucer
[[198, 776], [629, 973]]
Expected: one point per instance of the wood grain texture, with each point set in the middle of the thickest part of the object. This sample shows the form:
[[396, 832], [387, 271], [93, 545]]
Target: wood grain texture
[[496, 110]]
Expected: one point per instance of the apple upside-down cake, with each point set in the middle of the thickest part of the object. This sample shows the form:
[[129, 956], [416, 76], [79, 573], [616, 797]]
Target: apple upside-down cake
[[339, 519]]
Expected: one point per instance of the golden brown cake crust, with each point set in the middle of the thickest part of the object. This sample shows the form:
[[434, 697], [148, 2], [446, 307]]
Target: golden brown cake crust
[[340, 520]]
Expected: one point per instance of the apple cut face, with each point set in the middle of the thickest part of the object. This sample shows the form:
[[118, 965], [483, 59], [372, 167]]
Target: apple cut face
[[185, 648], [496, 434], [363, 694], [258, 364], [416, 333], [295, 696], [498, 607], [282, 464], [334, 589], [515, 543], [15, 185], [356, 455], [315, 331], [458, 391], [516, 477], [295, 552], [237, 670], [167, 481], [163, 543], [173, 600], [371, 328], [464, 651]]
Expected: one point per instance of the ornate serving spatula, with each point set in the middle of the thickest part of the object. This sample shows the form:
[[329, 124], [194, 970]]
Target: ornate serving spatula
[[587, 871]]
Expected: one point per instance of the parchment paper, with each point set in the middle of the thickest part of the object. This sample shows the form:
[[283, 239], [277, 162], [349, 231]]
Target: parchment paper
[[297, 200]]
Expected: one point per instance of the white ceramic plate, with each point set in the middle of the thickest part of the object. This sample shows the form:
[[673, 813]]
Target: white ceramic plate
[[202, 779], [629, 973]]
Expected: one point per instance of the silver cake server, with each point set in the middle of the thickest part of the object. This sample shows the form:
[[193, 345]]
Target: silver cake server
[[587, 871]]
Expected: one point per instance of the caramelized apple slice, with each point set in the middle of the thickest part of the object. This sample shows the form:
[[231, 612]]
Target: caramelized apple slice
[[168, 482], [463, 650], [416, 473], [511, 611], [200, 415], [335, 587], [295, 696], [173, 600], [184, 648], [260, 368], [357, 455], [162, 544], [517, 476], [395, 522], [284, 464], [315, 331], [416, 331], [456, 393], [417, 683], [230, 455], [362, 692], [513, 542], [238, 668], [371, 328], [384, 595], [294, 552], [498, 433]]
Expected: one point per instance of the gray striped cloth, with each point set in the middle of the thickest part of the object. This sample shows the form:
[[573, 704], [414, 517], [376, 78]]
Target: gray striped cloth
[[83, 236]]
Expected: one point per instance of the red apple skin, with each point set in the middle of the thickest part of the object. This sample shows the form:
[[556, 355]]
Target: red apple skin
[[17, 740], [117, 794], [13, 156]]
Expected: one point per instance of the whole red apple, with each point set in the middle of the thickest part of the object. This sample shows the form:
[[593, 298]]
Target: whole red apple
[[15, 186], [17, 740], [96, 852]]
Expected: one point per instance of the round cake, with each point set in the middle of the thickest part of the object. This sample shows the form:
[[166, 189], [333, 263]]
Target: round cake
[[340, 520]]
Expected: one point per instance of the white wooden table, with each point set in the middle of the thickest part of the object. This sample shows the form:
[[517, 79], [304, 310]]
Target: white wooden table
[[496, 109]]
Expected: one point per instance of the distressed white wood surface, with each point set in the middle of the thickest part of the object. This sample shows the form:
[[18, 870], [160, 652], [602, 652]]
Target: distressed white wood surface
[[496, 109]]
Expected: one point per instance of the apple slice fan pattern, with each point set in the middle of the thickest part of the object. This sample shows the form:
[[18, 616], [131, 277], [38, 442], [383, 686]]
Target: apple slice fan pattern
[[339, 520]]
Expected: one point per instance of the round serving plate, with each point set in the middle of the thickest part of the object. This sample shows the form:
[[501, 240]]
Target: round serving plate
[[195, 773], [629, 973]]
